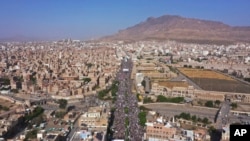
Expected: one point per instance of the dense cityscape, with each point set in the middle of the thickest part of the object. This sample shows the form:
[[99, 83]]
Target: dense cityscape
[[146, 90], [95, 70]]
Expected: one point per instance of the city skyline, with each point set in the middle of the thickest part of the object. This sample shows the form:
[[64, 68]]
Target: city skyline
[[47, 20]]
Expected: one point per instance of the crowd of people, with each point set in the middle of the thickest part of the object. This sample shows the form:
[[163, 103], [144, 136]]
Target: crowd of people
[[126, 100]]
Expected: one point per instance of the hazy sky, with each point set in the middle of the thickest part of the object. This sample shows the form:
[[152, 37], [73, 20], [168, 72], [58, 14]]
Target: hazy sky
[[85, 19]]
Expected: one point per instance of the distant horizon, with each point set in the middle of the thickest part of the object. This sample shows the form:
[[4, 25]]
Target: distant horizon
[[86, 20]]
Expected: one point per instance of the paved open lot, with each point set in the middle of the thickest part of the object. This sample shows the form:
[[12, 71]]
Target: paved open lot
[[169, 110]]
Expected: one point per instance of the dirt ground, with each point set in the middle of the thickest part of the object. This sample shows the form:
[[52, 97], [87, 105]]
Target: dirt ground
[[6, 103]]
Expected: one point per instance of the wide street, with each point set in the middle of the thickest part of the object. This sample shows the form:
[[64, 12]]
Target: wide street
[[222, 118], [170, 110], [126, 122]]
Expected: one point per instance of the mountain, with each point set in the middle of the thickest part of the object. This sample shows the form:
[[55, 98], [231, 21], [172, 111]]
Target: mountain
[[183, 29]]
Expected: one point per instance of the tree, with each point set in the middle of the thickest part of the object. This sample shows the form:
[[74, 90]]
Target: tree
[[36, 112], [205, 120], [162, 98], [86, 80], [5, 81], [33, 79], [194, 118], [31, 134], [147, 100], [209, 104], [217, 102], [62, 103], [143, 83], [89, 65], [211, 129], [139, 97], [199, 119], [38, 120], [234, 105], [142, 118], [186, 116], [60, 114]]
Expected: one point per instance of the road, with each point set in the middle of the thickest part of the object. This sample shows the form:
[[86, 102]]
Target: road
[[223, 115], [74, 129], [170, 110], [126, 123]]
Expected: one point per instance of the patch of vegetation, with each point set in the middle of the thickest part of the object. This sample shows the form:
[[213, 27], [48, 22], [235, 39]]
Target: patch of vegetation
[[147, 100], [126, 121], [217, 102], [62, 103], [37, 120], [60, 114], [172, 69], [113, 89], [86, 80], [247, 79], [193, 118], [5, 81], [89, 65], [96, 87], [211, 129], [4, 108], [31, 135], [37, 111], [162, 98], [185, 116], [143, 83], [199, 67], [209, 104], [33, 79], [142, 118], [126, 110], [234, 105], [139, 97], [14, 90]]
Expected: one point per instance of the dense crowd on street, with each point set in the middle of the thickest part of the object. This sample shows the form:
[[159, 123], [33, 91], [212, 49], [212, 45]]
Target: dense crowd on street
[[125, 99]]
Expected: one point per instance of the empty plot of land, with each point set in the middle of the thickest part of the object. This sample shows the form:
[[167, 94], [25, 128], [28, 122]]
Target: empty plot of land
[[7, 104], [222, 85], [213, 81], [171, 84], [200, 73], [148, 71]]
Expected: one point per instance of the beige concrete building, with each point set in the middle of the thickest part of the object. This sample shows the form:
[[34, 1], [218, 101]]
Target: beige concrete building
[[160, 131]]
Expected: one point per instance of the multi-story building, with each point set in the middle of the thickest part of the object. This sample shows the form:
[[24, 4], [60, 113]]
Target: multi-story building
[[160, 131]]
